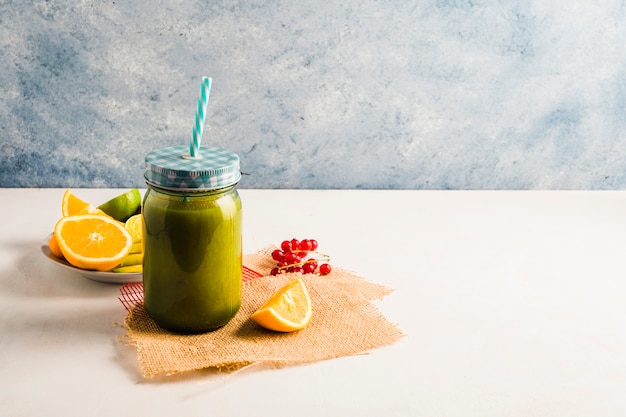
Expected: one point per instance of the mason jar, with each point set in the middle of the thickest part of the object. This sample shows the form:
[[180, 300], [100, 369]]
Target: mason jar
[[192, 239]]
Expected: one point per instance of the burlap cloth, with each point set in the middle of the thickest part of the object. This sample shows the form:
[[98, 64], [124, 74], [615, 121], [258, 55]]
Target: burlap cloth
[[344, 322]]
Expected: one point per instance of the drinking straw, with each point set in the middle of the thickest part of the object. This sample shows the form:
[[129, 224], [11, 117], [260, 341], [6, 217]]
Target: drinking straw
[[203, 101]]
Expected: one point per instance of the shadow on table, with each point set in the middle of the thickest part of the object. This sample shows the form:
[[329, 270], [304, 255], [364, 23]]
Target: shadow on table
[[85, 318], [35, 276], [126, 357]]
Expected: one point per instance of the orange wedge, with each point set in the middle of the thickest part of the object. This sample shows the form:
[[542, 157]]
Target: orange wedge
[[72, 205], [289, 309], [92, 241], [54, 247]]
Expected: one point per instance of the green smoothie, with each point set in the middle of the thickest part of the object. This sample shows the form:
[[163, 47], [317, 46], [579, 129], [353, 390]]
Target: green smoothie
[[192, 258]]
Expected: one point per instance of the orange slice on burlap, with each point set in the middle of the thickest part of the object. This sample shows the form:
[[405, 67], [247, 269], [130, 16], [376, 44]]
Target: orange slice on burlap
[[289, 309]]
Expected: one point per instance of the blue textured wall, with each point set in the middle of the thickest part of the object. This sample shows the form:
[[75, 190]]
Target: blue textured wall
[[318, 94]]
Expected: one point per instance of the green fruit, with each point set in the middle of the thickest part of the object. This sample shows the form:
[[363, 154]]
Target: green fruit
[[133, 259], [136, 248], [128, 269], [122, 207]]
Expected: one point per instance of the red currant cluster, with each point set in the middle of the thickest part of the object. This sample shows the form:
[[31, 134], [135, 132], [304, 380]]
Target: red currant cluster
[[299, 256]]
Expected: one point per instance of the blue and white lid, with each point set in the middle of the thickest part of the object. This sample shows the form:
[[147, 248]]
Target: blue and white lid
[[173, 168]]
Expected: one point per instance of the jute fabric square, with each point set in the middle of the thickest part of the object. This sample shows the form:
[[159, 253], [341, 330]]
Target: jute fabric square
[[345, 322]]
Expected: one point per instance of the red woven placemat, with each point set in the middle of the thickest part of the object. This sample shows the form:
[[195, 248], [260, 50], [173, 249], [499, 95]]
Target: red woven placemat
[[131, 293]]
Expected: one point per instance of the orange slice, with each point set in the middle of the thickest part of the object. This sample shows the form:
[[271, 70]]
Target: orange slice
[[92, 241], [72, 205], [54, 247], [289, 309]]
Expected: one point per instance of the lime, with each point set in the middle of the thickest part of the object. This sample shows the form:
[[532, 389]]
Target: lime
[[134, 225], [128, 269], [122, 207], [137, 247], [132, 259]]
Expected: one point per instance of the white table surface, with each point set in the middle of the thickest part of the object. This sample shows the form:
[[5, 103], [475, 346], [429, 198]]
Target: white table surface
[[514, 304]]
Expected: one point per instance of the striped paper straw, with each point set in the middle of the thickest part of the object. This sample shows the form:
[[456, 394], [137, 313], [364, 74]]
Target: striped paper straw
[[203, 101]]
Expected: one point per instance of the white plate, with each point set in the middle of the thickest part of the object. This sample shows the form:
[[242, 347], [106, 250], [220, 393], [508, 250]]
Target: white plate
[[106, 277]]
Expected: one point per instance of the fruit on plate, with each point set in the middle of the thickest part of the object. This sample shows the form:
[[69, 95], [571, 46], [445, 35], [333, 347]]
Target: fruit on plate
[[54, 247], [117, 208], [130, 269], [134, 225], [132, 259], [137, 247], [123, 206], [289, 309], [92, 241], [133, 262], [72, 205]]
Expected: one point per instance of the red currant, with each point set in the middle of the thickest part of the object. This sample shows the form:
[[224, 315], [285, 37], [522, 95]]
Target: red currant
[[324, 269], [308, 268], [291, 258], [305, 245]]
